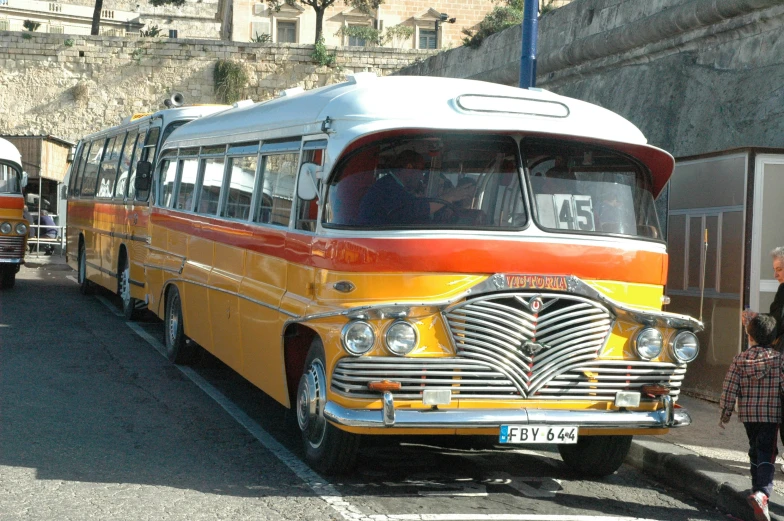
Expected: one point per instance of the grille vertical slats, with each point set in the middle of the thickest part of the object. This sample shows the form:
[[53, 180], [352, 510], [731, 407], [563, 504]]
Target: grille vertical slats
[[515, 346]]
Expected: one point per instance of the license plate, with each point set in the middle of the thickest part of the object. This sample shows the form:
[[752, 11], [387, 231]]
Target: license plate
[[538, 434]]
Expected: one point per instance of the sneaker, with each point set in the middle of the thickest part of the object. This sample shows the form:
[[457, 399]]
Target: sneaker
[[759, 502]]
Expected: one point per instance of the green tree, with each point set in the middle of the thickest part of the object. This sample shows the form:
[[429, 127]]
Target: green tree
[[320, 6], [96, 27]]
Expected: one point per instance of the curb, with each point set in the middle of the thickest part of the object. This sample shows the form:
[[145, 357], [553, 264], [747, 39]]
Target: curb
[[698, 476]]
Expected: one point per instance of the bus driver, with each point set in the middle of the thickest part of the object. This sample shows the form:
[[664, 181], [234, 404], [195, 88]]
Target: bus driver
[[392, 199]]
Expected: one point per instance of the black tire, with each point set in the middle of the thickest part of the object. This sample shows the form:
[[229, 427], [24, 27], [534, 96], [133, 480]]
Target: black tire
[[8, 277], [596, 456], [130, 306], [179, 349], [327, 449], [85, 286]]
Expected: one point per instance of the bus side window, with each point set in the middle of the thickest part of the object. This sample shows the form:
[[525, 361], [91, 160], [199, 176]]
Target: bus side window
[[210, 181], [275, 202], [168, 178], [91, 168], [107, 173], [137, 151], [307, 212], [242, 179], [148, 154], [75, 180], [125, 163], [186, 183]]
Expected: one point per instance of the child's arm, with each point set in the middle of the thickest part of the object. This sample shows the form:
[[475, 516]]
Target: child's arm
[[729, 393]]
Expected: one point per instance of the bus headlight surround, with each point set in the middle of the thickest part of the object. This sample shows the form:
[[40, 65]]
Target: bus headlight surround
[[21, 229], [358, 337], [685, 346], [401, 338], [648, 343], [5, 228]]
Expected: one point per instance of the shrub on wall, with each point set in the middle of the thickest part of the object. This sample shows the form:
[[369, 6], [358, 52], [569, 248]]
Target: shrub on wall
[[504, 16], [230, 81]]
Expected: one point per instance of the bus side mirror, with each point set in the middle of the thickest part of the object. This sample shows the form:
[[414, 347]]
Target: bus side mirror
[[143, 176], [24, 179], [306, 185]]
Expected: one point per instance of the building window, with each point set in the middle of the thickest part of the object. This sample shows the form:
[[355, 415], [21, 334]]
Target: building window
[[5, 25], [356, 41], [56, 29], [427, 39], [287, 32], [172, 33]]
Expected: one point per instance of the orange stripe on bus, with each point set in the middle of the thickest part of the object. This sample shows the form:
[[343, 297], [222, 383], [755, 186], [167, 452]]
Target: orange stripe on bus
[[12, 202], [118, 213], [427, 255]]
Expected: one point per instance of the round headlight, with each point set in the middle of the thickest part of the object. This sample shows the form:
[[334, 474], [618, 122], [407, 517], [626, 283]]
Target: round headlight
[[5, 228], [401, 338], [685, 346], [21, 229], [648, 343], [358, 337]]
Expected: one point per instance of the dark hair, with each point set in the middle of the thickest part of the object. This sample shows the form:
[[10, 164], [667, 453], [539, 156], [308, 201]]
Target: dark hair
[[408, 157], [762, 329]]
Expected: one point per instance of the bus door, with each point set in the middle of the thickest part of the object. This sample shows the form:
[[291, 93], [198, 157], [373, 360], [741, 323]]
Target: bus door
[[138, 207]]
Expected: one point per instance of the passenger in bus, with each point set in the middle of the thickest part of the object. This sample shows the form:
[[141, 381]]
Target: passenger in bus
[[393, 200]]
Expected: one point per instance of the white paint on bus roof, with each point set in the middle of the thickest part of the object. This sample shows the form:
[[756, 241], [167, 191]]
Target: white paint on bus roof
[[376, 104], [9, 153]]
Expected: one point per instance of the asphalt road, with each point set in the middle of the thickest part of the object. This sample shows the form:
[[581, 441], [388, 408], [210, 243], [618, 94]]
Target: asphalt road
[[96, 424]]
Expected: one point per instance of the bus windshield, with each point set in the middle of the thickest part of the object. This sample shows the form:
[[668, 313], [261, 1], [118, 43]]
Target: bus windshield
[[579, 188], [437, 181], [10, 179]]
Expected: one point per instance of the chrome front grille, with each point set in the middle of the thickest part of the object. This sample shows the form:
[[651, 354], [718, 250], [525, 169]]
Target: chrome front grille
[[530, 337], [468, 378], [11, 247], [597, 380]]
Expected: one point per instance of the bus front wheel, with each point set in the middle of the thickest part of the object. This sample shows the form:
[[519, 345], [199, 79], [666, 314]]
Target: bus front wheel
[[179, 349], [596, 456], [85, 286], [327, 448], [130, 305], [8, 277]]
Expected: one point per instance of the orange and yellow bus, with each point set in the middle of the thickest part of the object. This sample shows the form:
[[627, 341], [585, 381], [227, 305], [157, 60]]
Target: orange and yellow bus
[[107, 217], [430, 256], [13, 226]]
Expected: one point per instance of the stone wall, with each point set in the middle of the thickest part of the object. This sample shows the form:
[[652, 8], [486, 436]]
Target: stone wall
[[69, 86], [695, 75]]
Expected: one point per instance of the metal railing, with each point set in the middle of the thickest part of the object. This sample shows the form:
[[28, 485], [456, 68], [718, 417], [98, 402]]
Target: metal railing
[[35, 240]]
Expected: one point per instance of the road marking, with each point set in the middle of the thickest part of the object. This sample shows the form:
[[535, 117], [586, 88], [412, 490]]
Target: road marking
[[325, 490], [71, 277]]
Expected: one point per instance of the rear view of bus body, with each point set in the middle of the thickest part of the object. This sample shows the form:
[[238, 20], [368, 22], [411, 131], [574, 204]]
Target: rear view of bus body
[[408, 255], [13, 226], [107, 217]]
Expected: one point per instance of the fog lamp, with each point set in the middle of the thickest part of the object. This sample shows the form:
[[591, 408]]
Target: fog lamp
[[358, 337], [21, 229], [5, 228], [685, 346], [627, 399], [401, 338], [648, 343]]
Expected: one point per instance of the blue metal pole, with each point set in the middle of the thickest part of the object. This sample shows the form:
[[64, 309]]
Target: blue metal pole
[[528, 56]]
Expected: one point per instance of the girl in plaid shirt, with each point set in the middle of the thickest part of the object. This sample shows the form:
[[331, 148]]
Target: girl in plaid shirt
[[756, 380]]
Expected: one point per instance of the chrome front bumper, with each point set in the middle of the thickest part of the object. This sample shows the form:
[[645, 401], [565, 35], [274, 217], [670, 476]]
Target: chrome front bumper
[[666, 417]]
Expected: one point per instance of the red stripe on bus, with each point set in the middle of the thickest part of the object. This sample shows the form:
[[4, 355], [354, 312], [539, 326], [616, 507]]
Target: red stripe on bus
[[434, 255], [12, 202]]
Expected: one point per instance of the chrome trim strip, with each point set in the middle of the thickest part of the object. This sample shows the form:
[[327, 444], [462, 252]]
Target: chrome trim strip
[[490, 418], [164, 252], [235, 294], [163, 268], [98, 231], [101, 269], [498, 283], [137, 283]]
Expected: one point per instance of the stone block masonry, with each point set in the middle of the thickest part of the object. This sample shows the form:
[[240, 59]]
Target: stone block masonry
[[69, 86]]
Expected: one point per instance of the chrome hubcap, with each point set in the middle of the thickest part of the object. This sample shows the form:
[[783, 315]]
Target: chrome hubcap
[[311, 397], [174, 318]]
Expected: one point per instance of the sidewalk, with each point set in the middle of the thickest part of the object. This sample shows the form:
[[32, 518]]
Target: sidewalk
[[705, 461]]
